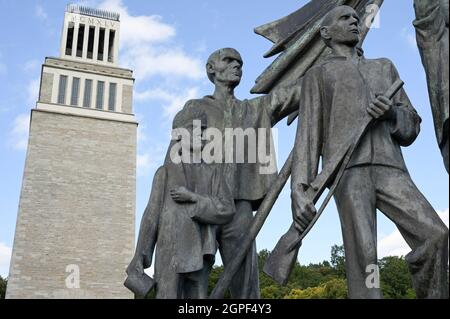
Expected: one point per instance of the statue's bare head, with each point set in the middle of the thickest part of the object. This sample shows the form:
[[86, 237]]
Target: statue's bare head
[[225, 66], [341, 26]]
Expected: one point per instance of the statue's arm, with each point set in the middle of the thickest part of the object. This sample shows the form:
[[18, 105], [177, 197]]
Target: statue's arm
[[406, 122], [429, 21], [309, 139], [282, 101], [148, 231], [217, 208]]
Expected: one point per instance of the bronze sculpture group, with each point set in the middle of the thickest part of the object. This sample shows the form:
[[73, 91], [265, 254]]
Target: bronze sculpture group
[[353, 116]]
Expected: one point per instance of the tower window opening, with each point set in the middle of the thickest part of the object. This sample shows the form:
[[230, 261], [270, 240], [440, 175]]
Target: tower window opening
[[112, 97], [69, 42], [101, 44], [87, 93], [90, 48], [100, 94], [62, 89], [80, 42], [112, 36], [75, 91]]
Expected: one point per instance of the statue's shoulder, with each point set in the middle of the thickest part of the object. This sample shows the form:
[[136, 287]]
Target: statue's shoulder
[[160, 176], [317, 70], [193, 103], [382, 62], [382, 66], [199, 103], [319, 67], [161, 171]]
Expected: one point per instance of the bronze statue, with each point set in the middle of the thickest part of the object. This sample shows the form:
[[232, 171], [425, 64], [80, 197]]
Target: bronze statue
[[187, 203], [354, 116], [336, 95], [248, 181]]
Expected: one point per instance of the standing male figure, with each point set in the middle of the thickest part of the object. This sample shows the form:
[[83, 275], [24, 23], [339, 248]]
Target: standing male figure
[[248, 180], [432, 39], [336, 95]]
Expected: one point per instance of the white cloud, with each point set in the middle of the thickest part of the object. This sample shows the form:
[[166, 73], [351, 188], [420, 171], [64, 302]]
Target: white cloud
[[33, 91], [21, 124], [19, 132], [146, 46], [394, 244], [151, 158], [141, 136], [148, 161], [5, 258], [143, 162], [40, 13], [149, 61], [172, 102], [138, 30], [409, 36]]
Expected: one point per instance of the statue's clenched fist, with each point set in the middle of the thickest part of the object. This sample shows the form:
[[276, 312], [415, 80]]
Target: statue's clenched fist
[[381, 108]]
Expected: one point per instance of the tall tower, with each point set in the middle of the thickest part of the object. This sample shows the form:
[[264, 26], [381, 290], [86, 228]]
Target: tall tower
[[75, 226]]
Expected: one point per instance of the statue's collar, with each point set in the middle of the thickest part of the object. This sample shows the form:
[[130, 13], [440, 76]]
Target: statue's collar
[[211, 97], [337, 57]]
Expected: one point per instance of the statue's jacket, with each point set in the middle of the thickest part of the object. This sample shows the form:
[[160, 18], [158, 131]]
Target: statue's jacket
[[184, 234], [334, 100]]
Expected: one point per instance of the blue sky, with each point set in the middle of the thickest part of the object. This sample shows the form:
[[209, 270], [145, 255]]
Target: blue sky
[[167, 43]]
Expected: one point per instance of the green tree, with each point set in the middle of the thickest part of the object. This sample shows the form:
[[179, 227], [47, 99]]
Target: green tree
[[325, 280], [3, 283], [269, 289], [333, 289], [312, 275], [271, 292], [338, 260], [214, 278], [395, 278], [308, 293], [336, 289]]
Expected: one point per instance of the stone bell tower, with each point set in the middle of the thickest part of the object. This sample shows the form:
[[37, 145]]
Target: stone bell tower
[[75, 225]]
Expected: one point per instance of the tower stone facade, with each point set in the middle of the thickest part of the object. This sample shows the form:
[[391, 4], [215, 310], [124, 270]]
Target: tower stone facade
[[75, 226]]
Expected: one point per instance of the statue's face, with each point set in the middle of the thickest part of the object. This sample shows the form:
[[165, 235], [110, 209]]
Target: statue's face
[[228, 67], [344, 27]]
